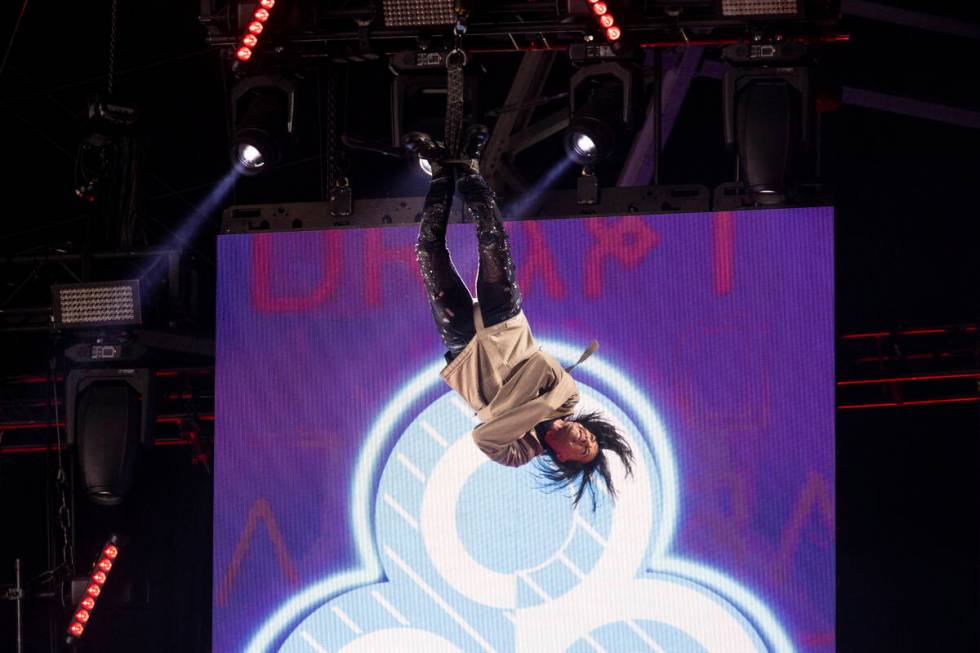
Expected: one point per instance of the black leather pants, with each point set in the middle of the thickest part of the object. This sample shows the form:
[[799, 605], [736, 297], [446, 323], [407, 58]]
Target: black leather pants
[[496, 283]]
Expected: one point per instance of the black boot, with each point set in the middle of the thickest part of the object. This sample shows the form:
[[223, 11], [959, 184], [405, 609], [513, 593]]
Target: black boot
[[450, 300], [496, 285], [474, 140], [422, 145]]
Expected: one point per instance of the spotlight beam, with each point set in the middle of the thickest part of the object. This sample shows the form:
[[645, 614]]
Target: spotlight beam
[[182, 237], [523, 204]]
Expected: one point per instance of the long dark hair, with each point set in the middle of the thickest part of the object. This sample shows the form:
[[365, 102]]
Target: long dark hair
[[558, 475]]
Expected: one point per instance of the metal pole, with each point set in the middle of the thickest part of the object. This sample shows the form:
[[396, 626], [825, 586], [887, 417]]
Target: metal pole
[[658, 80], [20, 595]]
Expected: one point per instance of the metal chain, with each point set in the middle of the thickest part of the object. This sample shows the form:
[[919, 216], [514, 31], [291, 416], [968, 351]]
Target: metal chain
[[455, 61], [333, 142], [112, 47]]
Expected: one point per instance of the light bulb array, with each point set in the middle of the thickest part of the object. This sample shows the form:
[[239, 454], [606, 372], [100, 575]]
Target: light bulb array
[[606, 20], [263, 10], [97, 578]]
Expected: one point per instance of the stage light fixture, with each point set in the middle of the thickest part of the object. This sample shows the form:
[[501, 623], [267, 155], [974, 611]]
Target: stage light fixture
[[263, 109], [86, 603], [584, 145], [589, 139], [110, 419], [250, 156], [255, 26], [759, 7], [418, 13], [767, 113], [606, 20], [601, 99], [108, 303], [426, 166]]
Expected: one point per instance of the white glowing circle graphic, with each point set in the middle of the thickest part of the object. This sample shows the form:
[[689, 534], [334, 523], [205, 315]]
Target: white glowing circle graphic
[[704, 608]]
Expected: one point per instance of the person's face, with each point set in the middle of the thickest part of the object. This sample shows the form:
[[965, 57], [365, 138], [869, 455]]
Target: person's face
[[571, 441]]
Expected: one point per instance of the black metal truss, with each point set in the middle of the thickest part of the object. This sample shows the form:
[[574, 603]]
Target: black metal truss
[[25, 305], [503, 25]]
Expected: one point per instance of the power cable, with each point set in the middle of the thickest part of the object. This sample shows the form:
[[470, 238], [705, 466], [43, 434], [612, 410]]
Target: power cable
[[10, 43]]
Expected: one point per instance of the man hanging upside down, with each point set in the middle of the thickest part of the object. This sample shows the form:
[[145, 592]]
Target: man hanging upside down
[[522, 396]]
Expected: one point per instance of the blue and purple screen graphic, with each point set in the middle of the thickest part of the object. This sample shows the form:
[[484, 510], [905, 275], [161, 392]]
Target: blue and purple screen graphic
[[354, 513]]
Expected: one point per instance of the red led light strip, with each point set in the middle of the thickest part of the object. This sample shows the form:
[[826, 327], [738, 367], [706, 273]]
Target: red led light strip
[[606, 20], [98, 575], [254, 29]]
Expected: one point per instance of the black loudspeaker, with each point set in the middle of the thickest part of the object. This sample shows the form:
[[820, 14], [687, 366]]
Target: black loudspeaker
[[110, 419]]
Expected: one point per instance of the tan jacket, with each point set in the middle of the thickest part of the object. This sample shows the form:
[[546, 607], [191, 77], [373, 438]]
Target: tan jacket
[[512, 385]]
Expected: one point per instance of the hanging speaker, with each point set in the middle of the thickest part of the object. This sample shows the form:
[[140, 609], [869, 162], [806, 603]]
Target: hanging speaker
[[109, 418]]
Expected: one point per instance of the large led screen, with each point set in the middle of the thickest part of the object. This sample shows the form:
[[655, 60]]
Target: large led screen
[[355, 514]]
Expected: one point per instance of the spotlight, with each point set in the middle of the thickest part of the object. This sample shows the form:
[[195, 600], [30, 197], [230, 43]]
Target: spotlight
[[250, 156], [609, 90], [613, 33], [591, 136], [426, 166], [584, 145], [263, 108]]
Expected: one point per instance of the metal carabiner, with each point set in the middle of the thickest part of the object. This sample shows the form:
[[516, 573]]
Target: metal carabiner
[[456, 51], [458, 30]]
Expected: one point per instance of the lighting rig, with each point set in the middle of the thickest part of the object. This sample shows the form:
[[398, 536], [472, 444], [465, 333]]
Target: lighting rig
[[611, 46], [326, 30], [263, 111]]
